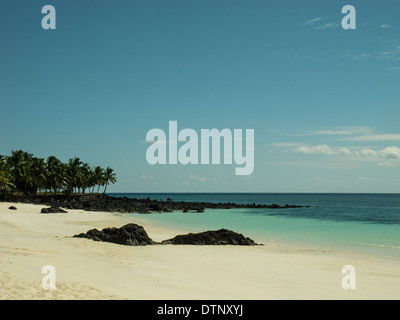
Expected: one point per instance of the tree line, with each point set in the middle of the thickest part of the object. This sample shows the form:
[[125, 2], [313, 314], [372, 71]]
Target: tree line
[[22, 172]]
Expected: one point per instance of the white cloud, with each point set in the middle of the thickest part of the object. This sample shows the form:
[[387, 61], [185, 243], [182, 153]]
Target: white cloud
[[287, 144], [196, 178], [337, 165], [363, 178], [386, 164], [331, 25], [146, 177], [320, 149], [333, 132], [327, 150], [384, 26], [390, 152], [340, 131], [311, 21], [369, 152], [374, 137], [362, 56], [392, 54], [348, 152], [357, 133]]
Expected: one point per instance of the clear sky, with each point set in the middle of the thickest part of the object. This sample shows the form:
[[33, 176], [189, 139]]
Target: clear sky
[[324, 102]]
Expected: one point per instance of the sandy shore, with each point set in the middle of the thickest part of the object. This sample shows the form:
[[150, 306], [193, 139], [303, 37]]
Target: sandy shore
[[87, 269]]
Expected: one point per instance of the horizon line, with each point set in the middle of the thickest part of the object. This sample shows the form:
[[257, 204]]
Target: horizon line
[[236, 192]]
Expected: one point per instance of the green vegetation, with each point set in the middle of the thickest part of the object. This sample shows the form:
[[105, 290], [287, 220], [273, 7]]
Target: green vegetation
[[21, 172]]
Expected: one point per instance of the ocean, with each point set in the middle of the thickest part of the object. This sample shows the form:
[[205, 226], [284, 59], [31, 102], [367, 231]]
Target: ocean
[[368, 223]]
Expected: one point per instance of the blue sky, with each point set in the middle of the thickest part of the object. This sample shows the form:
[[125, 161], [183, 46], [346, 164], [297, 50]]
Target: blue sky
[[324, 102]]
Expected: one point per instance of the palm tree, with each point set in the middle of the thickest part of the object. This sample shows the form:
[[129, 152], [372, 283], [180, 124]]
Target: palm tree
[[81, 176], [84, 176], [22, 172], [19, 162], [39, 173], [91, 179], [110, 177], [15, 161], [99, 176], [6, 184], [56, 173], [3, 163], [74, 173], [26, 178]]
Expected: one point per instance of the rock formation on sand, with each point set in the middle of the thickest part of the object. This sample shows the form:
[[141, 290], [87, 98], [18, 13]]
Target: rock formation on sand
[[130, 234], [218, 237], [134, 235], [53, 209]]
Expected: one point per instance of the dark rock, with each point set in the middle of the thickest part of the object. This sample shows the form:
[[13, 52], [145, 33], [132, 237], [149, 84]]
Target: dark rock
[[99, 202], [130, 234], [219, 237], [12, 208], [53, 210]]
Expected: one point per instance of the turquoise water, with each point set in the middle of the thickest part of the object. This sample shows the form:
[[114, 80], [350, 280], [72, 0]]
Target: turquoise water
[[364, 222]]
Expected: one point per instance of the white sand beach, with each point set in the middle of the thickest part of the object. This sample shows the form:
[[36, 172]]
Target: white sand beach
[[87, 269]]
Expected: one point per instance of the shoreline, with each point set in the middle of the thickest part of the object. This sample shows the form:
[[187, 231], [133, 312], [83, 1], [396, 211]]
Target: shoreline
[[106, 203], [89, 269]]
